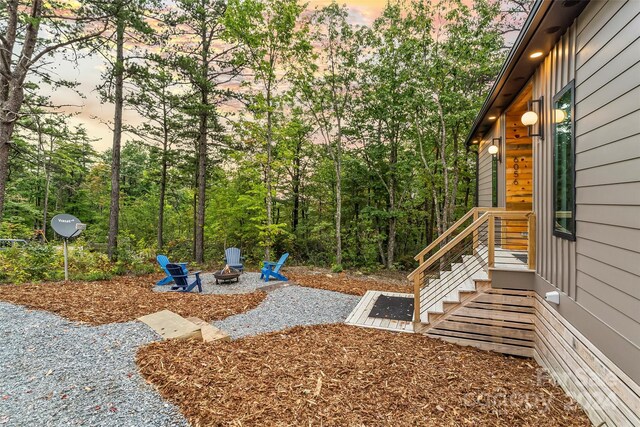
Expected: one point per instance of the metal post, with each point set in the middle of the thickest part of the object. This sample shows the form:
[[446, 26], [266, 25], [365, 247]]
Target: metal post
[[416, 301], [66, 261], [531, 238], [492, 242]]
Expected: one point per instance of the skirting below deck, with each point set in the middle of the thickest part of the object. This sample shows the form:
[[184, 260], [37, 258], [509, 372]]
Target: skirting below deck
[[495, 319]]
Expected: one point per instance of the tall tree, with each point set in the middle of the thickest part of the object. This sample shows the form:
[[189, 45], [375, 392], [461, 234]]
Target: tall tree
[[127, 23], [155, 99], [327, 88], [206, 61], [271, 38], [381, 120], [29, 32], [453, 67]]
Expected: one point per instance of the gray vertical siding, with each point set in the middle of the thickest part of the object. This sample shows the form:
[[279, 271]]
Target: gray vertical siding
[[484, 168], [485, 160], [601, 269]]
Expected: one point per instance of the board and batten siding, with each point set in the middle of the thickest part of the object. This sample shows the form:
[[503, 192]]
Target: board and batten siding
[[485, 188], [601, 269]]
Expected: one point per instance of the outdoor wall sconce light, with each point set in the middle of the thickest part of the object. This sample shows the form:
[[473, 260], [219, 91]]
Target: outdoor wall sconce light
[[531, 117], [494, 149]]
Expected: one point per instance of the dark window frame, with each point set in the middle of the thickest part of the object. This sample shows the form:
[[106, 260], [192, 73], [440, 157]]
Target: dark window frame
[[570, 87], [494, 181]]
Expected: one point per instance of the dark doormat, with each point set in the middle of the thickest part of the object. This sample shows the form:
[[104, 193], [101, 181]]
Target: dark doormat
[[521, 257], [395, 308]]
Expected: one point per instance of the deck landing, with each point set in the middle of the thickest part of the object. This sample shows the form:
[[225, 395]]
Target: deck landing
[[360, 314]]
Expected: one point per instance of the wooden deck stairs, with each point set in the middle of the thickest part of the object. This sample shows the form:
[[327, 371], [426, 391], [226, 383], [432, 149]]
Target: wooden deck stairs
[[453, 297]]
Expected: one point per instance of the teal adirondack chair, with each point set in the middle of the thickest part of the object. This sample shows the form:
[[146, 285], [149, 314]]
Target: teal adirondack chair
[[163, 261], [272, 269], [181, 279]]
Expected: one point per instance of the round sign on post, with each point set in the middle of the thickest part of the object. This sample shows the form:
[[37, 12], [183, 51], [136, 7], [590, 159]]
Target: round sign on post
[[67, 226]]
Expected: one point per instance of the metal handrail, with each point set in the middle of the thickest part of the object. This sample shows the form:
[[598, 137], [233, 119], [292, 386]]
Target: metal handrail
[[489, 216]]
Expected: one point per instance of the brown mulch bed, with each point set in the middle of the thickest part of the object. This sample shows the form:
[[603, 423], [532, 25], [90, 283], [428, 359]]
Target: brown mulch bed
[[123, 299], [346, 283], [337, 375]]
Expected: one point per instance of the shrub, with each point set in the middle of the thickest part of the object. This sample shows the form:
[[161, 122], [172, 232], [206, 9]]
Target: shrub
[[36, 263]]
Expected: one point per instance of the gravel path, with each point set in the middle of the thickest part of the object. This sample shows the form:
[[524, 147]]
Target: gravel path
[[58, 373], [54, 372], [248, 283], [290, 306]]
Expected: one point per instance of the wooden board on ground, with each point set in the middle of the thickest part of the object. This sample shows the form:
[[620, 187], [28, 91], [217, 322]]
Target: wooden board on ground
[[209, 332], [171, 325]]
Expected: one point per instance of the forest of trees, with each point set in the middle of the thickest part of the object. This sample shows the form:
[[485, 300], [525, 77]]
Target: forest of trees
[[265, 124]]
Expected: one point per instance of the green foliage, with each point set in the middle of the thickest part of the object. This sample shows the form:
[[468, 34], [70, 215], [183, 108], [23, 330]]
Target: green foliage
[[39, 263], [342, 133], [336, 268]]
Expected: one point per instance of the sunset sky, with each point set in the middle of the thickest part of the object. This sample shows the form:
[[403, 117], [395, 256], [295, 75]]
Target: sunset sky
[[95, 116]]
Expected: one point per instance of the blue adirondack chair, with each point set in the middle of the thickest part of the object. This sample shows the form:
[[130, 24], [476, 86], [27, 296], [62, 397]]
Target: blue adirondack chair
[[233, 259], [163, 261], [181, 279], [272, 269]]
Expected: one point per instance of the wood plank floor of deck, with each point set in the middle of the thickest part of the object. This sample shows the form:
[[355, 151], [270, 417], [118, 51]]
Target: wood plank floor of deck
[[360, 314]]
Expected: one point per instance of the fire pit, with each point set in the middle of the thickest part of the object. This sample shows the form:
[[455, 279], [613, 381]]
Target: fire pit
[[227, 275]]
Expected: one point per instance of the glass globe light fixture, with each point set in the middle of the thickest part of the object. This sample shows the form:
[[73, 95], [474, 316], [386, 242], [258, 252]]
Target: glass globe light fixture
[[529, 118]]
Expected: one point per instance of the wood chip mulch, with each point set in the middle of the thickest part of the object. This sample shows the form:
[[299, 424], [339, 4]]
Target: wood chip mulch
[[346, 283], [338, 375], [123, 299]]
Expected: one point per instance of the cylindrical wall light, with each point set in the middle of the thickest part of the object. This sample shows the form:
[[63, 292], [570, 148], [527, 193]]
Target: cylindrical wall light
[[494, 149], [531, 117]]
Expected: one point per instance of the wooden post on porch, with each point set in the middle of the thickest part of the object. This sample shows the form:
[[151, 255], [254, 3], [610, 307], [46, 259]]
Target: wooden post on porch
[[492, 239], [531, 247], [475, 233], [416, 300]]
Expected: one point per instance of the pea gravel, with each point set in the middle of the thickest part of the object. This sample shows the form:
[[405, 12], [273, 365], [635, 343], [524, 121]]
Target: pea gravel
[[59, 373], [249, 282], [290, 306], [54, 372]]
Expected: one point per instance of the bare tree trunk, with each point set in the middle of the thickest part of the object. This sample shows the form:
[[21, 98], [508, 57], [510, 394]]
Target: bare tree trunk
[[6, 129], [202, 185], [391, 239], [163, 186], [296, 186], [269, 198], [445, 170], [47, 186], [201, 171], [114, 212], [338, 164]]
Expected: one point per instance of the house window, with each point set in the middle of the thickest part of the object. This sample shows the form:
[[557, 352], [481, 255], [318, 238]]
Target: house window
[[494, 181], [564, 207]]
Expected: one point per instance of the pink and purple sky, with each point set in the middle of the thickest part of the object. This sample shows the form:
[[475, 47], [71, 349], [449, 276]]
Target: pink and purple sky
[[95, 115]]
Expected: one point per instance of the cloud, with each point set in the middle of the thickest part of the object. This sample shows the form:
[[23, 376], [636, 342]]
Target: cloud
[[91, 112]]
